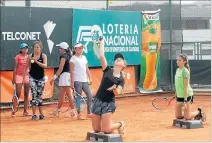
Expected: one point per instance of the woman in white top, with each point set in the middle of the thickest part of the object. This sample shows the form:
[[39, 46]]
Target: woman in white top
[[80, 75]]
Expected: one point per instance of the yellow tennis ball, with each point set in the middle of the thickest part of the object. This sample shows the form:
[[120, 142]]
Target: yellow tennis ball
[[32, 61]]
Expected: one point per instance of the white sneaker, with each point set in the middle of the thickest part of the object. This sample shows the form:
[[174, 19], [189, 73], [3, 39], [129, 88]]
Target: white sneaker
[[121, 129]]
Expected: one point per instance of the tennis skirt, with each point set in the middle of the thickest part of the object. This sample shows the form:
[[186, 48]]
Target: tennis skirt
[[65, 79]]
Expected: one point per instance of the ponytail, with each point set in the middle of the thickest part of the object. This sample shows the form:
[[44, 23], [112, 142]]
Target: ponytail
[[187, 66], [69, 52], [185, 59]]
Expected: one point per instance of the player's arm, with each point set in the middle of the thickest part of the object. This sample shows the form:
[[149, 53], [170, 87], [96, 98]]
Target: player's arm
[[117, 90], [60, 69], [185, 88], [14, 71], [72, 66], [102, 54], [44, 64], [61, 65], [26, 67], [88, 74], [186, 77]]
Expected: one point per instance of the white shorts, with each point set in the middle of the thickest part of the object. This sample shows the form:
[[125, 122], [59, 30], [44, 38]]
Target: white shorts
[[65, 79]]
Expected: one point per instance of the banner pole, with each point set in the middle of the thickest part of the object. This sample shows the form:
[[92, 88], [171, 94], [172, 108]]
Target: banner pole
[[170, 35]]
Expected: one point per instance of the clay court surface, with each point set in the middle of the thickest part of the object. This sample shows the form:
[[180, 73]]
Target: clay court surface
[[143, 123]]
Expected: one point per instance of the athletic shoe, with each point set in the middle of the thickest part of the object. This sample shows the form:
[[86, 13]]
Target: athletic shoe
[[121, 129], [34, 117], [13, 114], [26, 114], [201, 115], [42, 117]]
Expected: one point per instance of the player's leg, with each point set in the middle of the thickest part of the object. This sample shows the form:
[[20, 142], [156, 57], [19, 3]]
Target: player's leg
[[33, 87], [71, 101], [86, 89], [189, 115], [18, 87], [26, 96], [96, 115], [78, 89], [96, 123], [107, 125], [40, 88], [178, 108]]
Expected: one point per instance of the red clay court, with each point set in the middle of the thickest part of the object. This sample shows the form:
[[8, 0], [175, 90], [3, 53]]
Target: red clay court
[[143, 123]]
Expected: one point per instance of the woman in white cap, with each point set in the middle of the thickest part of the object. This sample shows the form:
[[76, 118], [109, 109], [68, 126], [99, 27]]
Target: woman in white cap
[[81, 77], [64, 79], [111, 85]]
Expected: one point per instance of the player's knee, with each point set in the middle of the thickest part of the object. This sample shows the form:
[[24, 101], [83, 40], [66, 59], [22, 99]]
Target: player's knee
[[187, 117], [97, 131], [179, 117], [107, 131], [40, 104]]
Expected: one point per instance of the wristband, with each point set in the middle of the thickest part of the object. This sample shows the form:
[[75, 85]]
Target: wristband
[[55, 76]]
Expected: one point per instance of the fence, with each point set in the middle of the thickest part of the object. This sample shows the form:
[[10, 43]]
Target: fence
[[186, 30]]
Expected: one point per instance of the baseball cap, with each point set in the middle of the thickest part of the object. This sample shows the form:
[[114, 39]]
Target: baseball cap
[[63, 45], [118, 55], [23, 45], [78, 45]]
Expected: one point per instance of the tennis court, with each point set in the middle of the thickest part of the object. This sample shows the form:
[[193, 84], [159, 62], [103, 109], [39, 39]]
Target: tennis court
[[143, 123]]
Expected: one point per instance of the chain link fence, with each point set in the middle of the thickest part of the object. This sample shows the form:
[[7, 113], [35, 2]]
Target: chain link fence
[[185, 28]]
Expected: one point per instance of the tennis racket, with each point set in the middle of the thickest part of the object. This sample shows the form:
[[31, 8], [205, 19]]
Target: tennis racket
[[80, 104], [161, 103], [95, 45], [66, 105], [15, 100]]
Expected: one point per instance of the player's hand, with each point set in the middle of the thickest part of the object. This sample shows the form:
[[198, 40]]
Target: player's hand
[[112, 88], [13, 81], [72, 87], [116, 91], [33, 60], [51, 81], [90, 82]]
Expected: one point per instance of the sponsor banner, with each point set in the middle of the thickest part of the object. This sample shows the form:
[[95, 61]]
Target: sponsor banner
[[121, 32], [53, 27], [150, 52], [7, 87]]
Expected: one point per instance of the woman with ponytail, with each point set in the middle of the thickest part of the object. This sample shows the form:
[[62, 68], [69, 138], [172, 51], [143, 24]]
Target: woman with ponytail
[[184, 92], [64, 80]]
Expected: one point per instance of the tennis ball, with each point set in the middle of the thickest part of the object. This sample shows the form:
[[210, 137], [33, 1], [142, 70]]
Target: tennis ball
[[32, 61]]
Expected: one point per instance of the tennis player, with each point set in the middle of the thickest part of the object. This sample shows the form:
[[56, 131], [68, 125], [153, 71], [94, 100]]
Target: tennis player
[[37, 63], [104, 103], [21, 77], [81, 77], [184, 92], [64, 79]]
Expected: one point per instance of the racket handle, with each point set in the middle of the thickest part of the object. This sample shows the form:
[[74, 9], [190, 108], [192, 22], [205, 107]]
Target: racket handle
[[100, 38]]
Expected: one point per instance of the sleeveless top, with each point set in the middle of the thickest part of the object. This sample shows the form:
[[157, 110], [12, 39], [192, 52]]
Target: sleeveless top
[[36, 71]]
